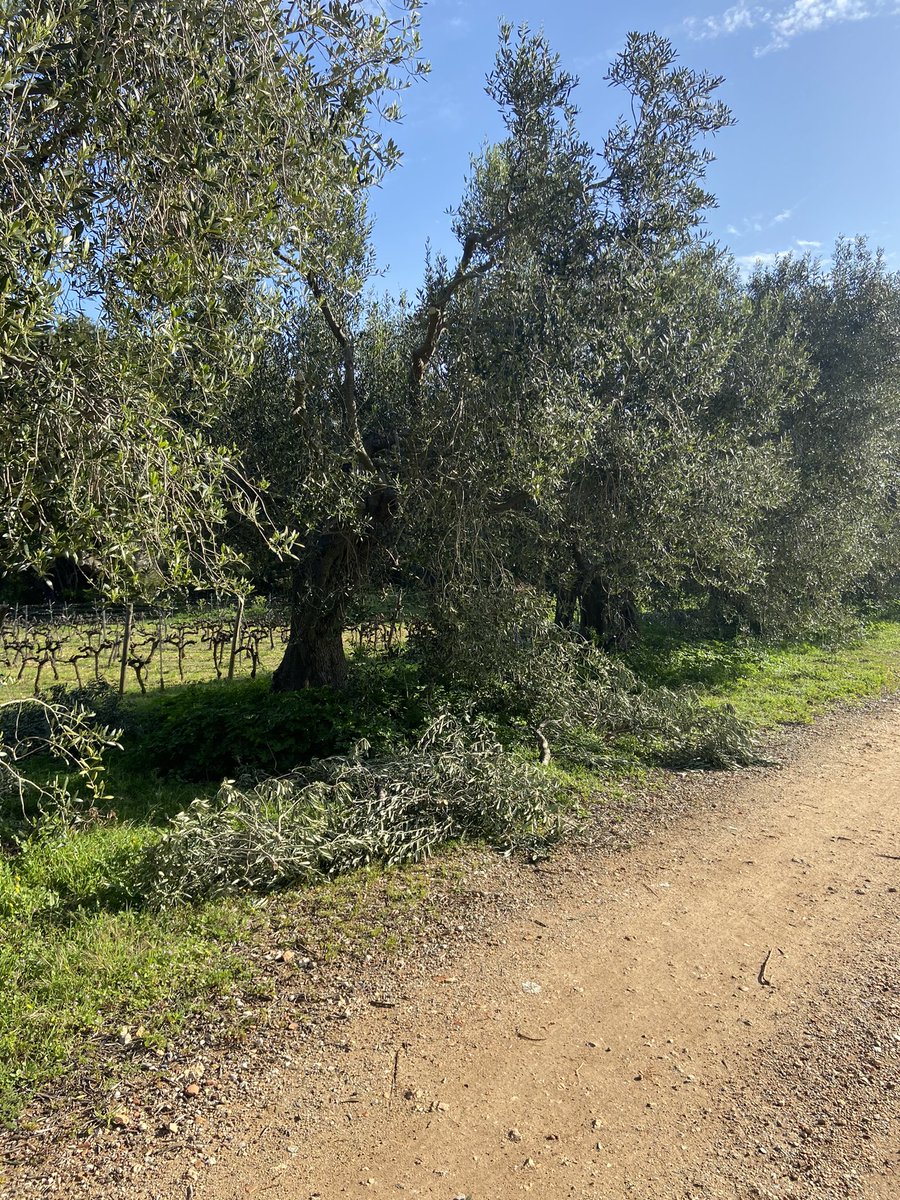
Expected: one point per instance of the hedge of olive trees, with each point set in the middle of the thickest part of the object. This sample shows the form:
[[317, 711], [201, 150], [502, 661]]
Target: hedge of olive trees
[[589, 404]]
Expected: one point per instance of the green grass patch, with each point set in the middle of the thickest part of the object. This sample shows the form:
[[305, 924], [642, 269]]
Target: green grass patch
[[799, 683], [71, 968], [771, 684]]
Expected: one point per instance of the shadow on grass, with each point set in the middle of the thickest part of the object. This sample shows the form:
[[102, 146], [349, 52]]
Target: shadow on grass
[[210, 731], [674, 658]]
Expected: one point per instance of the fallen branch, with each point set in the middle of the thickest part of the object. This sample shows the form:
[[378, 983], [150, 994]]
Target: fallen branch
[[762, 971], [543, 746]]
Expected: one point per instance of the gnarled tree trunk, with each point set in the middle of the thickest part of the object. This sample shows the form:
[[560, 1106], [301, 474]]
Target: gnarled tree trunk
[[314, 655], [332, 569], [612, 617]]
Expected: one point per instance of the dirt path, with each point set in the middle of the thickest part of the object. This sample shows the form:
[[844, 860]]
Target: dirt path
[[713, 1014], [626, 1040]]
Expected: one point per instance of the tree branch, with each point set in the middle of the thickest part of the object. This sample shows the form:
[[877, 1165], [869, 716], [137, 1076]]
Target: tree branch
[[326, 310], [437, 310], [348, 380]]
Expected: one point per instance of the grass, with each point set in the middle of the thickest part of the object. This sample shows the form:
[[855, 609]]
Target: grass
[[81, 955], [768, 685], [374, 911], [76, 960], [797, 684]]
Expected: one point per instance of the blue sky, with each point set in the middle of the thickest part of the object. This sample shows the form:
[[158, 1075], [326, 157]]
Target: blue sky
[[813, 84]]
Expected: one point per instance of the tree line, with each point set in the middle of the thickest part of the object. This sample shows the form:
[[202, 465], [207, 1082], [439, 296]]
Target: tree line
[[587, 414]]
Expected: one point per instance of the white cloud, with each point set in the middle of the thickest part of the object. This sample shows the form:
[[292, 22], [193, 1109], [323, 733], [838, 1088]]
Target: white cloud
[[764, 258], [759, 223], [768, 258], [806, 16], [731, 21], [787, 21]]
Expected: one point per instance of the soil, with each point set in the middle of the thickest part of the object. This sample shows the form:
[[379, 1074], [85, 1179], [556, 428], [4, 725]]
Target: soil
[[712, 1011]]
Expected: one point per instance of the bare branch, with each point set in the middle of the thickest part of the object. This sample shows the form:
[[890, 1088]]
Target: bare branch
[[348, 379], [464, 273], [327, 312]]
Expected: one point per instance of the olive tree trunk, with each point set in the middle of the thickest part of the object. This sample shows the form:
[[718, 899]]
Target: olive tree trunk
[[314, 655], [612, 618], [332, 570]]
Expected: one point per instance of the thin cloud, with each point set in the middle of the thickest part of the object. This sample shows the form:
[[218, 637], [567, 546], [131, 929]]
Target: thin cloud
[[731, 21], [764, 258], [759, 223], [788, 21], [747, 263], [460, 23]]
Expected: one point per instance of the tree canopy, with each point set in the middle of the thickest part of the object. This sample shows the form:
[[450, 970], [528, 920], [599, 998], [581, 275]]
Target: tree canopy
[[168, 168]]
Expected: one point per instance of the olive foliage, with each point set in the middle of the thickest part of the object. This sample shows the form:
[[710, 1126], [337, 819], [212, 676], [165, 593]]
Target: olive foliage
[[169, 168], [832, 538], [588, 401]]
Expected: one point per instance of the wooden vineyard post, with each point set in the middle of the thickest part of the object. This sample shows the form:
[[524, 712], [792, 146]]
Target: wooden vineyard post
[[161, 631], [236, 637], [126, 647]]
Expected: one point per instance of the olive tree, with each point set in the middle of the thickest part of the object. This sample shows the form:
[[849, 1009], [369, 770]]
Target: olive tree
[[476, 435], [376, 447], [834, 525], [159, 166], [563, 439]]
